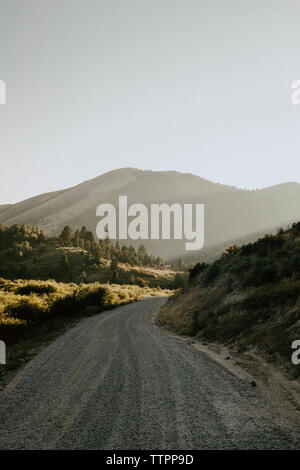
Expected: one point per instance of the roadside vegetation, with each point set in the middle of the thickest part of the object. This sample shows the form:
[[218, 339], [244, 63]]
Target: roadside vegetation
[[33, 313], [248, 299], [26, 304], [48, 283]]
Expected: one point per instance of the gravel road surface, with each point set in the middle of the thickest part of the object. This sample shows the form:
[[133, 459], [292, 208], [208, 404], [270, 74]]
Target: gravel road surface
[[118, 381]]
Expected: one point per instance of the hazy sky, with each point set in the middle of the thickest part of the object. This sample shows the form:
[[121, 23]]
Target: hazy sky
[[190, 85]]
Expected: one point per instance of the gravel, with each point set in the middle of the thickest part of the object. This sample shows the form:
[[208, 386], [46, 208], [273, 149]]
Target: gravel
[[118, 381]]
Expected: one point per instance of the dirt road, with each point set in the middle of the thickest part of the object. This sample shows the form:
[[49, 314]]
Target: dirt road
[[118, 381]]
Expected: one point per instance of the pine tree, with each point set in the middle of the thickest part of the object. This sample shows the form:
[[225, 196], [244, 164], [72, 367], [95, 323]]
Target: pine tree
[[66, 235]]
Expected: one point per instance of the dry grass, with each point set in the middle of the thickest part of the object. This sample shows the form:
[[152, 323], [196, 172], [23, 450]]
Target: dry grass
[[26, 304], [33, 313], [263, 319]]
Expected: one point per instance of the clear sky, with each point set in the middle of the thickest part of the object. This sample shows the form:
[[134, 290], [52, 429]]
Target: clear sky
[[188, 85]]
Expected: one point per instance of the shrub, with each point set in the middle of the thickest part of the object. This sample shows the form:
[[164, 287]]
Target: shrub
[[196, 270], [141, 282], [268, 274], [36, 288], [210, 274], [20, 312], [178, 281], [31, 309], [260, 273]]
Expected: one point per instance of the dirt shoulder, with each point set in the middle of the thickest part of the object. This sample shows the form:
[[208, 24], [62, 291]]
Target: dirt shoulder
[[280, 395]]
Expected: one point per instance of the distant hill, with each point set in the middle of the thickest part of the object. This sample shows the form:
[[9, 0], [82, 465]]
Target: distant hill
[[230, 213]]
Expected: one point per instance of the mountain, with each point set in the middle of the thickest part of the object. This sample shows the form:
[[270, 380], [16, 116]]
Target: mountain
[[3, 207], [230, 213]]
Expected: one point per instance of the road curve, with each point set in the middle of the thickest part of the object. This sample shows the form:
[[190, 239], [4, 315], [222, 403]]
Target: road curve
[[117, 381]]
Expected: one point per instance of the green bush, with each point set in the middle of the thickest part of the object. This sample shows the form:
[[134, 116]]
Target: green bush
[[36, 288], [196, 270], [210, 274], [29, 309]]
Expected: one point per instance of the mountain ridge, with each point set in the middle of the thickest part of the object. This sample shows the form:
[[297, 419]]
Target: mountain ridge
[[230, 212]]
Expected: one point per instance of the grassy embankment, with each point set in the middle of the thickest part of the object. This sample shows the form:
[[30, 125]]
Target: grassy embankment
[[34, 312], [248, 300]]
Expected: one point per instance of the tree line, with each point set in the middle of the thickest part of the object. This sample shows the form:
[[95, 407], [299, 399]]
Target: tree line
[[107, 249]]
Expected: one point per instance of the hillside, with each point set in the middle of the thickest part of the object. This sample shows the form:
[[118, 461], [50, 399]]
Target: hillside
[[230, 213], [212, 253], [248, 299], [26, 252], [4, 207]]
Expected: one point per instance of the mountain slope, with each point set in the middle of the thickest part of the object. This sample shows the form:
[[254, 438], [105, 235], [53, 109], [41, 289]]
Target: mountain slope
[[4, 207], [141, 186], [230, 213]]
